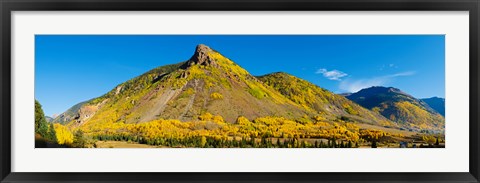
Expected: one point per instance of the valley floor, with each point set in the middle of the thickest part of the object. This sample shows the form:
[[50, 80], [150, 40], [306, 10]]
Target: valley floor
[[121, 144], [124, 144]]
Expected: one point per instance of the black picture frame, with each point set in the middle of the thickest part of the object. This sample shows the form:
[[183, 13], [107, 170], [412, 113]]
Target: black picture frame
[[7, 6]]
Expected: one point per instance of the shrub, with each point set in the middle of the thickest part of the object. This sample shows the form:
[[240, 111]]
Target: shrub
[[216, 95], [205, 117]]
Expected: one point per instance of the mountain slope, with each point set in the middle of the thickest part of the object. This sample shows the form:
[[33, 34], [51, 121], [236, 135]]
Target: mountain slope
[[318, 99], [436, 103], [207, 82], [210, 83], [70, 114], [400, 107]]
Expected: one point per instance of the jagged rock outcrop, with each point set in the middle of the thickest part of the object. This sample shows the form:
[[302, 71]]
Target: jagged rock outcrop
[[202, 57]]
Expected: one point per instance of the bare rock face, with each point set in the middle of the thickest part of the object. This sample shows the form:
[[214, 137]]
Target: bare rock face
[[118, 90], [87, 111], [201, 57]]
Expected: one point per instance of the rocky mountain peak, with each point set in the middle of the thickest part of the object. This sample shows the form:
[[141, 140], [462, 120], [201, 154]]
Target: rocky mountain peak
[[201, 56], [201, 48]]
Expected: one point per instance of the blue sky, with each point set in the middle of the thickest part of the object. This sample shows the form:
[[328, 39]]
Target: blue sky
[[73, 68]]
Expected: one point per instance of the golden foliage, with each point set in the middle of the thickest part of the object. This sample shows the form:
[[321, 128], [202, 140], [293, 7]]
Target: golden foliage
[[241, 120], [203, 141], [213, 127], [189, 91], [216, 95], [63, 135], [414, 114], [429, 139], [205, 117], [349, 109], [218, 119]]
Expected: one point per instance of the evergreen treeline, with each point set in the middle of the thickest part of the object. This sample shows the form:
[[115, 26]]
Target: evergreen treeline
[[211, 142], [44, 132]]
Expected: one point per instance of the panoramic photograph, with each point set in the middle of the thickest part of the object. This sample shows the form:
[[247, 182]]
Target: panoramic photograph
[[239, 91]]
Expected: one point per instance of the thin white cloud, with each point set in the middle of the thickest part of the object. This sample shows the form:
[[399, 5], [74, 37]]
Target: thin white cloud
[[332, 75], [352, 85], [408, 73]]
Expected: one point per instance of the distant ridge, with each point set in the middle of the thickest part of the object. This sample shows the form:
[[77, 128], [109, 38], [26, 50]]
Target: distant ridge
[[400, 107], [437, 103]]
